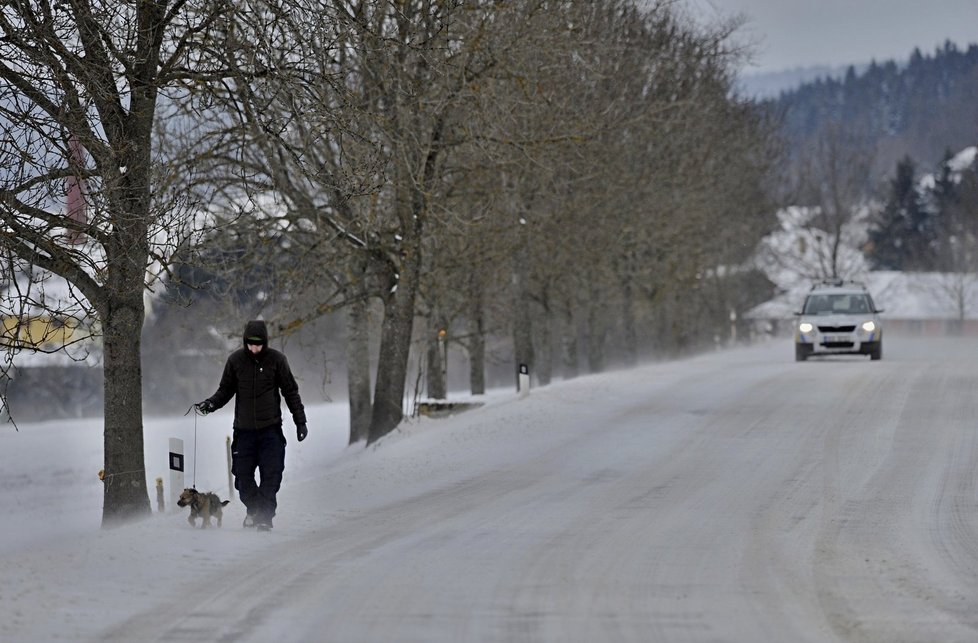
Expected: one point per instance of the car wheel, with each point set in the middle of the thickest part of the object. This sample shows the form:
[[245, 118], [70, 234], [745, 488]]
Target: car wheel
[[877, 352], [801, 352]]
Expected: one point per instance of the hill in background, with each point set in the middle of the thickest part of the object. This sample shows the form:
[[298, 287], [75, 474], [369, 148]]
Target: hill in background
[[770, 85], [920, 108]]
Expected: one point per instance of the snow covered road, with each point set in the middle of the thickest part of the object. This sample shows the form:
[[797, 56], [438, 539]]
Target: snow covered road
[[738, 496]]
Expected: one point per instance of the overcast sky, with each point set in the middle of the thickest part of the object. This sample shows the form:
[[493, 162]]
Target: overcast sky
[[805, 33]]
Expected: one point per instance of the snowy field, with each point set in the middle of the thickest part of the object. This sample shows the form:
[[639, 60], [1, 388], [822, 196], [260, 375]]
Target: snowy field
[[736, 496]]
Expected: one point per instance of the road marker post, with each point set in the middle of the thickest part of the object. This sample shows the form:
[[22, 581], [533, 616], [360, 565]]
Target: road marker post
[[176, 471], [523, 380]]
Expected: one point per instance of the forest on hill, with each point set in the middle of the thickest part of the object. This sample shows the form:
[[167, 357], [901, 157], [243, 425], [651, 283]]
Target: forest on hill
[[920, 108]]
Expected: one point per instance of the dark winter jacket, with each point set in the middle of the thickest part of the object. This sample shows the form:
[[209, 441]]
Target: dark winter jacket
[[255, 382]]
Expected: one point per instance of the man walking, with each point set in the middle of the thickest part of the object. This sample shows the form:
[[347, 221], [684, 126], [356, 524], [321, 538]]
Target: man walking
[[258, 377]]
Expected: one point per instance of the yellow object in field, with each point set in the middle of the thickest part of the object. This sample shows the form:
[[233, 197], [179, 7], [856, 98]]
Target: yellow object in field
[[41, 331]]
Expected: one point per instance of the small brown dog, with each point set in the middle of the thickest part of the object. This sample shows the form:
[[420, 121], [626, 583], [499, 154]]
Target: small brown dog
[[204, 505]]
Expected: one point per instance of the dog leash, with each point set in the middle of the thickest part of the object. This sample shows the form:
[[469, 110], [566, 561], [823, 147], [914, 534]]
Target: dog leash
[[194, 484], [193, 407]]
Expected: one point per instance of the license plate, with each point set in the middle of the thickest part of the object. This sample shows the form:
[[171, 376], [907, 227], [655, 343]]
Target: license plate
[[836, 338]]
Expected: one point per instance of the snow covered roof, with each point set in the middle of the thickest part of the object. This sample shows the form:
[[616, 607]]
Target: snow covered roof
[[956, 164]]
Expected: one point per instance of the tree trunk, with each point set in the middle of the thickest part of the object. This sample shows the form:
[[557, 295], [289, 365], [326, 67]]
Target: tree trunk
[[437, 386], [544, 352], [358, 370], [595, 333], [395, 346], [523, 335], [122, 313], [629, 329], [477, 337], [125, 494], [569, 345], [522, 319]]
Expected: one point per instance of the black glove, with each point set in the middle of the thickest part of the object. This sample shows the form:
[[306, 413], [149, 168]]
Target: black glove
[[301, 432], [204, 407]]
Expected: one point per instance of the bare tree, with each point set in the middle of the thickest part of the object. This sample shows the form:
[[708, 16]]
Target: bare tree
[[835, 184], [627, 222], [555, 132], [353, 125], [90, 75]]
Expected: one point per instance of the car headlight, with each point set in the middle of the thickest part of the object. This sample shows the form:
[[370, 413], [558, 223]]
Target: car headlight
[[805, 327], [869, 326]]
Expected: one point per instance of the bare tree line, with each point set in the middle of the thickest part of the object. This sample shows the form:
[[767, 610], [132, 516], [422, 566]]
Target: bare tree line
[[578, 176]]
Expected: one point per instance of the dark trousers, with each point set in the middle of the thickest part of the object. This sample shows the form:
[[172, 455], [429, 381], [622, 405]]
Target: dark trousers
[[262, 450]]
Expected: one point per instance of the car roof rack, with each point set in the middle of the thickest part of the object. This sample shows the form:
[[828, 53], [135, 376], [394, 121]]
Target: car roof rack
[[838, 283]]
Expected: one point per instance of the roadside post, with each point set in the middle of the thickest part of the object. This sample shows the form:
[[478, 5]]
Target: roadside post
[[176, 471], [523, 381]]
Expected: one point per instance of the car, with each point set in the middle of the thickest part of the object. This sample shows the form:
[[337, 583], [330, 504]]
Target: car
[[838, 318]]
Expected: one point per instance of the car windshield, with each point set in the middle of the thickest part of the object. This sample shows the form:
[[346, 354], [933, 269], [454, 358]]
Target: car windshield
[[841, 304]]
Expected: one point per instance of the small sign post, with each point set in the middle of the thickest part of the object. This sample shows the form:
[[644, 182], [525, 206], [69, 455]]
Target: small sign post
[[523, 381], [160, 502], [176, 471]]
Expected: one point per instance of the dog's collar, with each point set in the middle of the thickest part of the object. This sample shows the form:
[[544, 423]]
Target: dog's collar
[[194, 498]]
